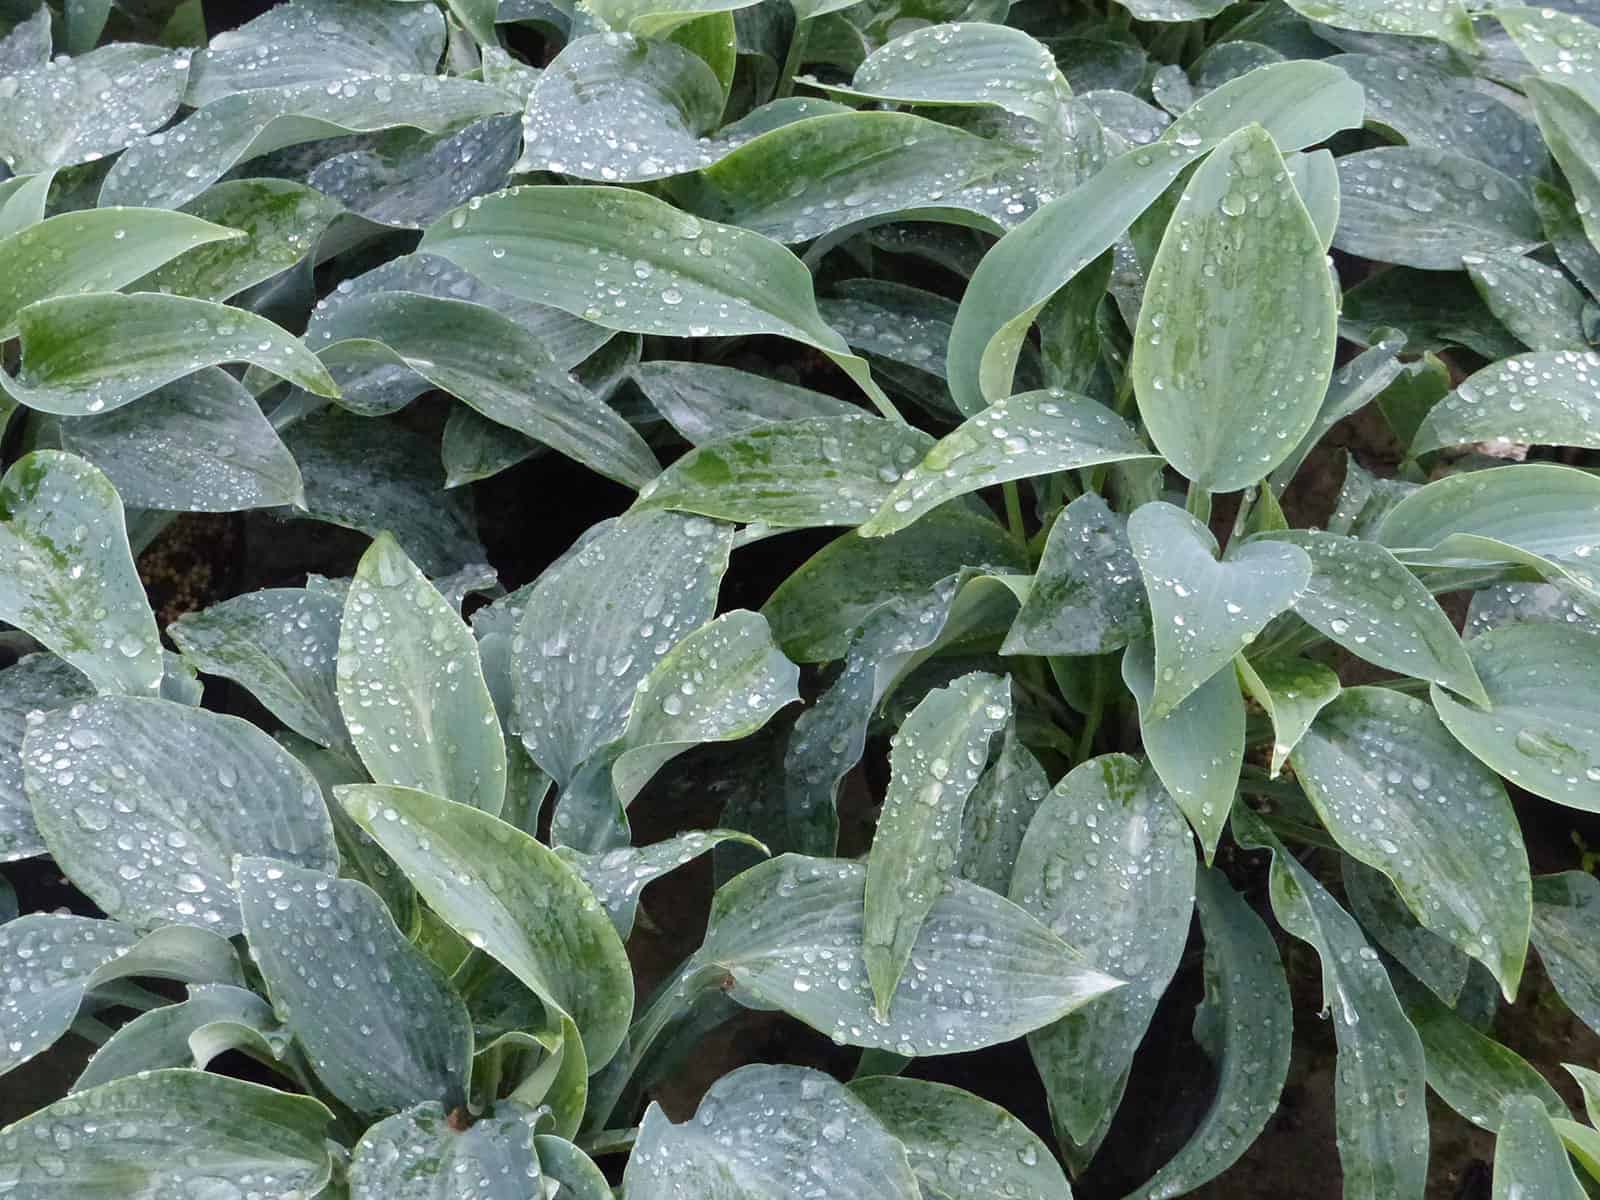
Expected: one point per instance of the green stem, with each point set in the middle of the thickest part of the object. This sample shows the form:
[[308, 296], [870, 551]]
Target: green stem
[[1014, 514], [608, 1141], [1097, 708], [1199, 503], [793, 60], [1241, 519]]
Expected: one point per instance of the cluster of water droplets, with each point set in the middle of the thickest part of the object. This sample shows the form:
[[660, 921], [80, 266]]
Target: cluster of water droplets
[[1087, 595], [45, 964], [1528, 398], [421, 1152]]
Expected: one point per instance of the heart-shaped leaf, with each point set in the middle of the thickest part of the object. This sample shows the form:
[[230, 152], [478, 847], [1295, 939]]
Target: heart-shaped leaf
[[1204, 611], [171, 781]]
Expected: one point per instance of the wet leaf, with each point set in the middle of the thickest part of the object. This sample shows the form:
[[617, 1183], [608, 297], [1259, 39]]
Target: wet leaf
[[1396, 792], [1245, 1025], [935, 762], [1529, 1158], [1384, 915], [377, 1019], [37, 683], [1108, 864], [1087, 595], [1564, 910], [411, 687], [1222, 401], [422, 1154], [998, 813], [68, 369], [1031, 433], [1380, 1106], [216, 1017], [1292, 691], [616, 877], [1546, 399], [1535, 302], [69, 579], [789, 934], [705, 402], [1204, 611]]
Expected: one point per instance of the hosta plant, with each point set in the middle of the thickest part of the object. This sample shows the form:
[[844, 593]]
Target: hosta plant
[[1046, 513]]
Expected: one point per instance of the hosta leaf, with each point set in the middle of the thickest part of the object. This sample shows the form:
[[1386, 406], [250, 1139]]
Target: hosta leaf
[[1539, 514], [1563, 225], [492, 364], [656, 18], [1447, 21], [53, 960], [599, 620], [1396, 792], [1513, 603], [82, 109], [279, 644], [27, 43], [936, 1122], [282, 222], [1108, 864], [1435, 310], [317, 41], [1384, 915], [424, 1154], [1541, 729], [1548, 399], [169, 1133], [1429, 106], [1537, 303], [1471, 1072], [935, 762], [771, 1133], [792, 474], [574, 1170], [963, 63], [705, 402], [722, 682], [1428, 208], [216, 1017], [1557, 42], [100, 250], [628, 261], [1221, 400], [1300, 103], [1571, 127], [70, 368], [616, 877], [867, 164], [511, 897], [666, 97], [567, 339], [1292, 691], [998, 813], [1198, 748], [1087, 596], [1529, 1158], [1245, 1025], [817, 609], [1365, 600], [1564, 911], [69, 579], [789, 934], [170, 779], [1379, 1101], [377, 1019], [23, 199], [411, 687], [378, 477], [36, 683], [1031, 433], [409, 179], [1205, 611], [1352, 388], [199, 444], [168, 169]]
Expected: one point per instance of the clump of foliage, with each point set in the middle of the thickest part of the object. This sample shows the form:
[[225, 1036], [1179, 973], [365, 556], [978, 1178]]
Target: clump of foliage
[[982, 288]]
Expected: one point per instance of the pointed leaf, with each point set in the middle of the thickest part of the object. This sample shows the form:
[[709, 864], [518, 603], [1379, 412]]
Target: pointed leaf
[[599, 620], [1087, 596], [377, 1019], [1396, 792], [1205, 611], [1529, 1158], [1384, 915], [215, 1018], [789, 934], [1108, 864], [185, 790], [411, 688], [1222, 401], [168, 169], [279, 644], [1570, 122], [200, 444], [169, 1133], [1564, 910], [792, 474], [1031, 433], [1292, 691], [69, 579], [1198, 747], [618, 876], [998, 814], [34, 684], [47, 962], [705, 402], [1548, 399], [934, 764], [1370, 604], [511, 897], [423, 1154], [68, 368], [1537, 303], [936, 1124], [771, 1133]]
